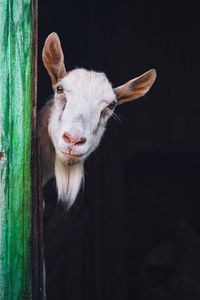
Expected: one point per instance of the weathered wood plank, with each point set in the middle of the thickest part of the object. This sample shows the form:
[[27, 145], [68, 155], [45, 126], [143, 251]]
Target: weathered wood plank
[[37, 201], [15, 138]]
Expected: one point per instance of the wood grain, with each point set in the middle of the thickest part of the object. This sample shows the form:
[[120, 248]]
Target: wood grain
[[15, 132]]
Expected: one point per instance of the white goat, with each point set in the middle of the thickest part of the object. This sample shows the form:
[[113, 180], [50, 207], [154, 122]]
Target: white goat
[[72, 123]]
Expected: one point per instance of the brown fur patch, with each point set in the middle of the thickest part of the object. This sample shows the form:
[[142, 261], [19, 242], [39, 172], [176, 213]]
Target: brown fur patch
[[46, 145]]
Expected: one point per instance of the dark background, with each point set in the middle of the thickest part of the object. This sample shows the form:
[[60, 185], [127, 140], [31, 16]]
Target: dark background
[[134, 233]]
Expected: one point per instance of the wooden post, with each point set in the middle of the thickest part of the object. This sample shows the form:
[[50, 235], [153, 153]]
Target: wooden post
[[16, 92]]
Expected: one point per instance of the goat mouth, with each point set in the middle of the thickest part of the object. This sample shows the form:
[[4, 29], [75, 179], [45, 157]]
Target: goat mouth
[[72, 155]]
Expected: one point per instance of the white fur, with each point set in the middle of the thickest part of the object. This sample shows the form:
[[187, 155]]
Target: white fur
[[88, 93]]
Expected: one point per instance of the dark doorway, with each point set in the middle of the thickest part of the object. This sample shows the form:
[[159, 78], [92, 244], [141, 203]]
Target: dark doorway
[[134, 233]]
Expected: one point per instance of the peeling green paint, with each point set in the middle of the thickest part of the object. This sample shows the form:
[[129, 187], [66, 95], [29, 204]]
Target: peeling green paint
[[15, 144]]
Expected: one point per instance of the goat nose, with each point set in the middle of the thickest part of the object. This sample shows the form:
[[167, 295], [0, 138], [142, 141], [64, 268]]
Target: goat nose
[[73, 140]]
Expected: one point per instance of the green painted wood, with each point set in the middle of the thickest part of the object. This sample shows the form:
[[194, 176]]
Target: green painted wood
[[15, 143]]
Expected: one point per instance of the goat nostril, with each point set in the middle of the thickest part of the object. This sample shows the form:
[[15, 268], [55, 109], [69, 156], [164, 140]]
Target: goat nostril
[[81, 141], [66, 138]]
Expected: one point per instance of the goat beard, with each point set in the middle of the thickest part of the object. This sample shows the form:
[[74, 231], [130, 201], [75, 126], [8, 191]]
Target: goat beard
[[68, 180]]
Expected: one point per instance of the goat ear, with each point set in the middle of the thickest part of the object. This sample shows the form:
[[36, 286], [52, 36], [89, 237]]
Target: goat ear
[[53, 58], [135, 88]]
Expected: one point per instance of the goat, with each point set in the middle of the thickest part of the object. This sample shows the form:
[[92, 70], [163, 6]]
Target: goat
[[72, 123]]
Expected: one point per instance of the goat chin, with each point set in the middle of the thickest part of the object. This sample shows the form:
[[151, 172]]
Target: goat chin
[[68, 180]]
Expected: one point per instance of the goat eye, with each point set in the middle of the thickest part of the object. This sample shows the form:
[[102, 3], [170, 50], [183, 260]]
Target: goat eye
[[112, 105], [59, 89]]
